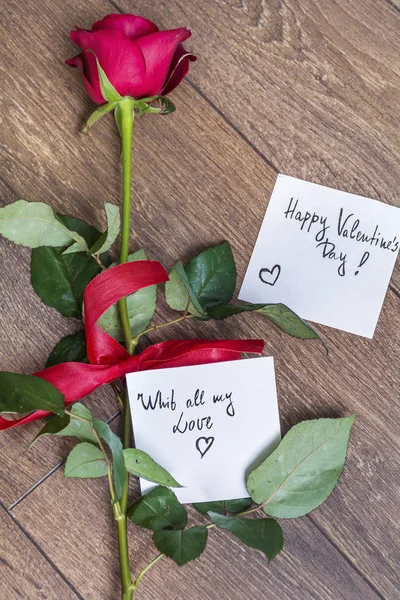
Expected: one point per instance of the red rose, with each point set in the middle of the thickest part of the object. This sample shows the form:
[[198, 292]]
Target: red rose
[[138, 59]]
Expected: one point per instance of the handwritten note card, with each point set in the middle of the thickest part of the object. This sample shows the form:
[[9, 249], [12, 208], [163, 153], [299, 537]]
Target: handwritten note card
[[207, 424], [326, 254]]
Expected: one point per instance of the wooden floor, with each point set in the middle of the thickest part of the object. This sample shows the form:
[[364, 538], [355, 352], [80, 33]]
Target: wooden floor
[[309, 88]]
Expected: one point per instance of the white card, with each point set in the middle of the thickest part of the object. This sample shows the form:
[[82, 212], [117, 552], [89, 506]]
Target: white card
[[326, 254], [210, 424]]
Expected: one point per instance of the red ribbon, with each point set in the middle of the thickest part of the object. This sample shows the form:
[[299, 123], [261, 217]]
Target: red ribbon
[[108, 359]]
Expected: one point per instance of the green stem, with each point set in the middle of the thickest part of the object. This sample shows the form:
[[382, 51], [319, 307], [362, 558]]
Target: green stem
[[126, 116], [144, 571], [126, 442], [125, 108], [126, 579], [160, 556], [155, 327]]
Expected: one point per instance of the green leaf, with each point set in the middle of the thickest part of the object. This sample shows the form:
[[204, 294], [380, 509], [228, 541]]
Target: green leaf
[[118, 119], [205, 507], [68, 426], [89, 233], [155, 104], [263, 534], [53, 426], [25, 393], [141, 308], [181, 546], [35, 224], [212, 275], [145, 108], [178, 292], [224, 506], [159, 509], [85, 461], [142, 465], [237, 506], [208, 279], [282, 316], [303, 470], [78, 428], [72, 348], [97, 114], [75, 247], [115, 445], [168, 106], [113, 227], [108, 91], [60, 279]]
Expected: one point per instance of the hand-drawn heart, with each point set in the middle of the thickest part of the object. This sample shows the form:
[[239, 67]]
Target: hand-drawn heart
[[207, 443], [270, 276]]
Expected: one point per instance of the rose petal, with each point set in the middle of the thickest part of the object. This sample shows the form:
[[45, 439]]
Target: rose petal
[[179, 68], [119, 57], [130, 25], [158, 51], [95, 95]]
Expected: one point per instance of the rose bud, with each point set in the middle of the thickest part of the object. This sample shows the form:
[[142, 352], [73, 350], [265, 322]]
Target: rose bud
[[138, 59]]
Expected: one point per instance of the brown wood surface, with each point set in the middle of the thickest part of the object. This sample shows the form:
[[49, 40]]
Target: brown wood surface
[[25, 572], [307, 88]]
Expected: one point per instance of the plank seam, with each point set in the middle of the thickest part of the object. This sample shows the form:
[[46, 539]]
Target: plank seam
[[48, 474], [36, 484], [43, 553], [55, 467], [217, 110], [346, 557], [231, 125], [272, 166], [394, 5]]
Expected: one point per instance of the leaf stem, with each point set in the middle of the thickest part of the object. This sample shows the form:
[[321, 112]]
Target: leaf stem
[[249, 511], [118, 398], [102, 448], [77, 417], [166, 324], [101, 264], [144, 571], [160, 556]]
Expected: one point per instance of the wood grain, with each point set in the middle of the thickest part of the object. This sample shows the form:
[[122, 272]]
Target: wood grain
[[199, 180], [24, 571], [309, 567], [314, 85]]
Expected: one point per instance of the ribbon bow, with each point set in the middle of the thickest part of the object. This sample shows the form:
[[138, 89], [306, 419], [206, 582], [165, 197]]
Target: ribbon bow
[[108, 360]]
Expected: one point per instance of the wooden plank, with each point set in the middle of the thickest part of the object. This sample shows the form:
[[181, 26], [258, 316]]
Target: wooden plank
[[314, 85], [38, 137], [35, 169], [22, 468], [198, 180], [29, 332], [309, 567], [24, 571]]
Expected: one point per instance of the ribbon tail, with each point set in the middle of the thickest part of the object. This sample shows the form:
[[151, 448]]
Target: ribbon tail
[[74, 380], [9, 424]]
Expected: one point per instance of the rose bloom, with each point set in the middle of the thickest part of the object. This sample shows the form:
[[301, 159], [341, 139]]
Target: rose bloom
[[138, 59]]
